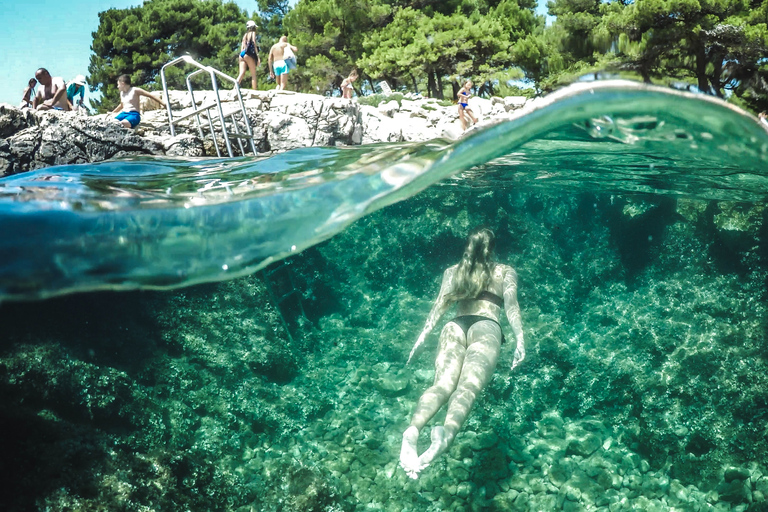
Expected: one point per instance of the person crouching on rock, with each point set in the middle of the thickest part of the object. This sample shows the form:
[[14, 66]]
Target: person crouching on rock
[[469, 344], [52, 94], [249, 54], [75, 87], [130, 101]]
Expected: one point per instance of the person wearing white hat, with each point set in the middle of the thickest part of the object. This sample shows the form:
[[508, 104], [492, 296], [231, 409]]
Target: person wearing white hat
[[249, 53], [75, 87]]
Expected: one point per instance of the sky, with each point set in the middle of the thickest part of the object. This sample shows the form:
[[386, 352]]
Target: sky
[[57, 36]]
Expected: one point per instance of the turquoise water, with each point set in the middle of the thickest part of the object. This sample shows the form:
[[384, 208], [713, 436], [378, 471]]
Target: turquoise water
[[634, 217]]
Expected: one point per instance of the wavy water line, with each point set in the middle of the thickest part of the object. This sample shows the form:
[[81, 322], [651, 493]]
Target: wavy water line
[[162, 223]]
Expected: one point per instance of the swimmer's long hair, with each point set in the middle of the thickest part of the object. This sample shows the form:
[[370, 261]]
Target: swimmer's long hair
[[473, 274]]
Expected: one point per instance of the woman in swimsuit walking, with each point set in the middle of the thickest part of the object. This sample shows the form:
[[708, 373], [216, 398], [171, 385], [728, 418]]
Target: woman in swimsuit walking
[[469, 344], [249, 54], [463, 98]]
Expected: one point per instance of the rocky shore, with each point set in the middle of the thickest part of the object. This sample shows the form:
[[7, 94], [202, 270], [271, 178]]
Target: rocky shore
[[280, 121]]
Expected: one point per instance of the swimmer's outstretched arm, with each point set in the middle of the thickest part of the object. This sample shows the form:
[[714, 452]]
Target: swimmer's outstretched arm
[[513, 313], [440, 306]]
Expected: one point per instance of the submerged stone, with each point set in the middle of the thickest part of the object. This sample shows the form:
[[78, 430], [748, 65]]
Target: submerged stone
[[735, 492], [584, 446], [392, 384], [732, 474]]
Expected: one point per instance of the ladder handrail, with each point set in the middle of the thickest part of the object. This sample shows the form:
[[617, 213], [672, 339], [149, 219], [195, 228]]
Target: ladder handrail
[[213, 72]]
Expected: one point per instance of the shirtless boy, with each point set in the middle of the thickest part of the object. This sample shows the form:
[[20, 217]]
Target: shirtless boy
[[52, 94], [278, 69], [130, 98]]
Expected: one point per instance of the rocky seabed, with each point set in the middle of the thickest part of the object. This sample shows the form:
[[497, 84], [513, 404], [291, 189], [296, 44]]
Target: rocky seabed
[[578, 465], [280, 121]]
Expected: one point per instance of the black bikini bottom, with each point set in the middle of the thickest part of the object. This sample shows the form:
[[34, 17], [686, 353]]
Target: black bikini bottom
[[467, 321]]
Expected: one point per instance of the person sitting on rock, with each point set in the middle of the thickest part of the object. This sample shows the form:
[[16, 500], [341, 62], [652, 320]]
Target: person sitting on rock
[[29, 94], [346, 85], [75, 87], [463, 99], [52, 95], [278, 69], [249, 54], [130, 102], [469, 345]]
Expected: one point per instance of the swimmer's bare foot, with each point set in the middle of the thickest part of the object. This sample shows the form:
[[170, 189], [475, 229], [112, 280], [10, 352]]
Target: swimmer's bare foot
[[409, 457], [438, 446]]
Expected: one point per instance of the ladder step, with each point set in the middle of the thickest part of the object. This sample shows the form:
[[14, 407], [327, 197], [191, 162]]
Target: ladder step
[[202, 109]]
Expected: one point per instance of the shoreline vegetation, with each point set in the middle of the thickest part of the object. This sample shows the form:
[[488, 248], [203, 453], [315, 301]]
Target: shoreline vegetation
[[432, 47]]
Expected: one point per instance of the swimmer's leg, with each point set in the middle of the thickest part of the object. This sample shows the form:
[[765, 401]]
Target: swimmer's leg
[[447, 371], [409, 457], [484, 340], [450, 358]]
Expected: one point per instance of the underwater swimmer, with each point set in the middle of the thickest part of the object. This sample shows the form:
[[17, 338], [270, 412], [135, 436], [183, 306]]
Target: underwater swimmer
[[469, 345]]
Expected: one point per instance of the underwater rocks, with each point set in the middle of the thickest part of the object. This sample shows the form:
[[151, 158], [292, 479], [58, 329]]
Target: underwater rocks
[[637, 316], [145, 400]]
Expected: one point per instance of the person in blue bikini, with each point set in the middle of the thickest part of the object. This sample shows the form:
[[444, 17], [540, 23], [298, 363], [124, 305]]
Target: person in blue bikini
[[463, 98], [130, 102], [469, 345]]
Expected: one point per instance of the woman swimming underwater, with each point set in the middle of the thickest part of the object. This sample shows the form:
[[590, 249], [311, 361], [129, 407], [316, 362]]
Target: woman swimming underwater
[[469, 344]]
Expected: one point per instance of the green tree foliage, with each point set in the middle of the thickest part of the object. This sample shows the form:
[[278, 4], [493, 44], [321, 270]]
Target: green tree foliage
[[472, 42], [690, 39], [137, 41], [329, 35], [718, 45], [272, 13]]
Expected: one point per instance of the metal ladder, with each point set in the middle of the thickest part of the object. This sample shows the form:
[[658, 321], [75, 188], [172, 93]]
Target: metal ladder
[[236, 134]]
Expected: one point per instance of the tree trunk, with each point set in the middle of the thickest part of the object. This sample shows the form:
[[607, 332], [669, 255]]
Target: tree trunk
[[431, 87], [415, 85], [456, 88], [701, 70], [487, 87], [716, 78], [440, 94]]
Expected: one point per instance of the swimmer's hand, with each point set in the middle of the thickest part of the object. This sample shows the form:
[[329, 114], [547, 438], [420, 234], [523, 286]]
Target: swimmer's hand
[[519, 355], [417, 347]]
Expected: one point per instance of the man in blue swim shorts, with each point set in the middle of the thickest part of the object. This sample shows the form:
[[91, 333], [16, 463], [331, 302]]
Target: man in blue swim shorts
[[130, 102], [278, 69]]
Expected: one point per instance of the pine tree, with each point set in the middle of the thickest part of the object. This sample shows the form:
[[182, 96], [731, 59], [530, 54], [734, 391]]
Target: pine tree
[[137, 41]]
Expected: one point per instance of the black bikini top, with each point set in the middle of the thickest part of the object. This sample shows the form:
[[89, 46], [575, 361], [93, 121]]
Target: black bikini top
[[490, 297]]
